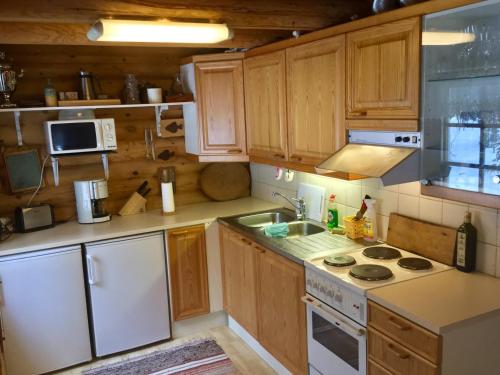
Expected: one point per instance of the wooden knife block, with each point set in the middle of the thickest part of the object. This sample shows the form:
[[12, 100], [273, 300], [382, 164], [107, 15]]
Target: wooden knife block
[[136, 204]]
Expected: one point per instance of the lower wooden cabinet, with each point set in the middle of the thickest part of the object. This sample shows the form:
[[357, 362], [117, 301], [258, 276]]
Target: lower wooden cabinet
[[239, 278], [396, 358], [282, 315], [262, 292], [399, 346], [188, 272]]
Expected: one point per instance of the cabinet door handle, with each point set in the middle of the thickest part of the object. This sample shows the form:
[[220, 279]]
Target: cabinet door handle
[[281, 156], [397, 352], [401, 327], [244, 240], [260, 250], [91, 269], [234, 151], [359, 113]]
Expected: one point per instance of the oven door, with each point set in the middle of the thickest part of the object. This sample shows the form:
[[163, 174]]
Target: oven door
[[74, 136], [335, 343]]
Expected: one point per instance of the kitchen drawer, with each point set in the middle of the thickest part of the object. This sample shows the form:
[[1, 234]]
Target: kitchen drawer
[[407, 333], [396, 358], [375, 369]]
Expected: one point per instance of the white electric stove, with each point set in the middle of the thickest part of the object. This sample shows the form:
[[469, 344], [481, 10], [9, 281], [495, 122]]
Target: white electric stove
[[336, 301]]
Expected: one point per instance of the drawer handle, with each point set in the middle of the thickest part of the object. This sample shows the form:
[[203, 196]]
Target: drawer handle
[[234, 151], [397, 352], [281, 156], [399, 326]]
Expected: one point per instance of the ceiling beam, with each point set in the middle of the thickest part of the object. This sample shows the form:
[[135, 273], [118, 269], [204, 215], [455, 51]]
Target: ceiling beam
[[238, 14], [76, 34]]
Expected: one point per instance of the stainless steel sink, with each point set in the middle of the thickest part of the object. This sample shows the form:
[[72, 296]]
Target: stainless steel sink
[[266, 218], [303, 228]]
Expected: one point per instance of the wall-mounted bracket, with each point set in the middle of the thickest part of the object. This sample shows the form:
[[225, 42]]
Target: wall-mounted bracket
[[17, 121], [105, 165], [158, 110], [55, 170]]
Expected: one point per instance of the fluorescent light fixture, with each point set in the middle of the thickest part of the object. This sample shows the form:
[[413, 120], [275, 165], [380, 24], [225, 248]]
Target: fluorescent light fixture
[[446, 38], [108, 30]]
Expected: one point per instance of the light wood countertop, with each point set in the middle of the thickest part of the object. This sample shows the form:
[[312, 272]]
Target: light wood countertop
[[442, 301], [72, 232]]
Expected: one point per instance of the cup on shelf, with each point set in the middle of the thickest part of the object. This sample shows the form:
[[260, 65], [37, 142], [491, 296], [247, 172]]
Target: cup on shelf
[[154, 95]]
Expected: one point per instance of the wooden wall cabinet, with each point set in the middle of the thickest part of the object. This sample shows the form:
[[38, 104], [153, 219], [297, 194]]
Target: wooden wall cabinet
[[383, 76], [262, 292], [215, 123], [188, 272], [315, 97], [265, 106]]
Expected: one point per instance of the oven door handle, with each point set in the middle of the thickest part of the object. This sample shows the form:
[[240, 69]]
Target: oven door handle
[[337, 320]]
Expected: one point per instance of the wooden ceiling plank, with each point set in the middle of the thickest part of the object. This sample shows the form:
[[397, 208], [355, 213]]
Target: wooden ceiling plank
[[257, 14]]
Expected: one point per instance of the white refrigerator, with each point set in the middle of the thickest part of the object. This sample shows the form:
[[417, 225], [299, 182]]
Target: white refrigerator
[[43, 311], [128, 292]]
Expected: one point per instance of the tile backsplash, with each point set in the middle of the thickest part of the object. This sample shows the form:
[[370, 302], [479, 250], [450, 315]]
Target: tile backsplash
[[404, 199]]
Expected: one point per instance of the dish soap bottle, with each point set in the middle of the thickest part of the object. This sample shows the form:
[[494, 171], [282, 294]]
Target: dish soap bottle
[[50, 94], [333, 213], [370, 224], [466, 246]]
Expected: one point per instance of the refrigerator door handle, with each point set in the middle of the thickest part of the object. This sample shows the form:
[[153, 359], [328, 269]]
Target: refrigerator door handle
[[91, 270]]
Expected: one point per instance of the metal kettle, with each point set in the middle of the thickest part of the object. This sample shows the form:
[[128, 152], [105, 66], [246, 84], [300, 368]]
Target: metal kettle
[[87, 86], [8, 82]]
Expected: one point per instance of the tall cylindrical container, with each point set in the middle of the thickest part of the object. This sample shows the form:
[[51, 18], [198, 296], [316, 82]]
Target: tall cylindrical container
[[167, 196], [370, 225]]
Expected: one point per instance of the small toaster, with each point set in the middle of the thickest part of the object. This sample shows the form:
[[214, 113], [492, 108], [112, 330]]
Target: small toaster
[[29, 219]]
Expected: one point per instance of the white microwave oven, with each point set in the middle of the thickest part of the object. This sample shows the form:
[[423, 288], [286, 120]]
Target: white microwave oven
[[80, 136]]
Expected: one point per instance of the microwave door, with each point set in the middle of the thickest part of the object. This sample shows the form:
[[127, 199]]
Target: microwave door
[[336, 345], [73, 137]]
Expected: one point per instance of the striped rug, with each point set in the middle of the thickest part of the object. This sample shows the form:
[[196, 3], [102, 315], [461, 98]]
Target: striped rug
[[199, 357]]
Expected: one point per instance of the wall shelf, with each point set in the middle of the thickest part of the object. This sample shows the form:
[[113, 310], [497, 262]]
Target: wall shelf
[[158, 108], [111, 106]]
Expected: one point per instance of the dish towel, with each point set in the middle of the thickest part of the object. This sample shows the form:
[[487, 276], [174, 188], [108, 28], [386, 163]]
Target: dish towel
[[279, 230]]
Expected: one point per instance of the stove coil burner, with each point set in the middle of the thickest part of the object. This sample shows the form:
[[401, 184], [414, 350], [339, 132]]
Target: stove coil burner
[[381, 252], [370, 272], [339, 260], [415, 264]]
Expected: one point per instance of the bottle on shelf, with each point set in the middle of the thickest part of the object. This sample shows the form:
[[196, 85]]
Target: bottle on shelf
[[50, 94], [465, 252], [333, 213]]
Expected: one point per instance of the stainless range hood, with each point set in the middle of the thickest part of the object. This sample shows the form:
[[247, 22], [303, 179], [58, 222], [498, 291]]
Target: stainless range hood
[[392, 157]]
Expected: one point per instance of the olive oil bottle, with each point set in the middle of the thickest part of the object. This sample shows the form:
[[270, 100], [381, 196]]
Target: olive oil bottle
[[465, 252]]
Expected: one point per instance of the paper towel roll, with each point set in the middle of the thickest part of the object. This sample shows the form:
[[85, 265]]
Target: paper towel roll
[[167, 196]]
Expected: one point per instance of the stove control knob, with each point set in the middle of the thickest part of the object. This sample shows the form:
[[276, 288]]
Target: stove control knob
[[338, 298], [309, 282], [329, 293], [315, 285], [322, 289]]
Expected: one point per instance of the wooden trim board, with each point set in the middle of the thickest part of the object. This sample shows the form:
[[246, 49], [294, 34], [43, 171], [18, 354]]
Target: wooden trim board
[[469, 197], [421, 9]]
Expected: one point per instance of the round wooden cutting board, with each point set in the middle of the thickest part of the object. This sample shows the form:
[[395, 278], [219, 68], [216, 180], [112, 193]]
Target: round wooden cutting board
[[225, 181]]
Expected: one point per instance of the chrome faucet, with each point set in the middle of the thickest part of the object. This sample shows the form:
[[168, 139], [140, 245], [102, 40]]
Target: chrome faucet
[[298, 203]]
